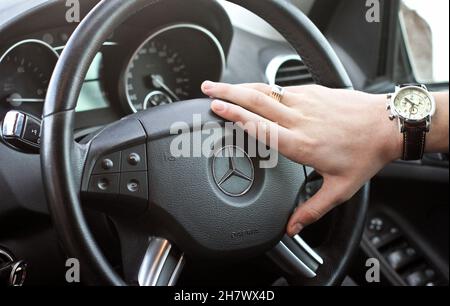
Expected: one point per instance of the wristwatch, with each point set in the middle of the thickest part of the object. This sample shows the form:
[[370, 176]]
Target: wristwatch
[[414, 107]]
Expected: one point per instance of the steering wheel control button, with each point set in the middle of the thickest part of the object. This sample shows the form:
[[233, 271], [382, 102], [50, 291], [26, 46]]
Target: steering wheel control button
[[105, 184], [134, 184], [108, 164], [134, 159]]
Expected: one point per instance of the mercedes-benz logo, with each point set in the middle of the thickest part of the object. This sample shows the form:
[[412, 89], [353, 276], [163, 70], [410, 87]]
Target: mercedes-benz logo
[[233, 171]]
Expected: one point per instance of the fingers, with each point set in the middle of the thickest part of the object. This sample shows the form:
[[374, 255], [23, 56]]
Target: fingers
[[327, 198], [255, 125], [252, 100], [266, 89]]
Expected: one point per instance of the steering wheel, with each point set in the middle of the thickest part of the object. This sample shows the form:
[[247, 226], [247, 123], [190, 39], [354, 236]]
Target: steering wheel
[[165, 208]]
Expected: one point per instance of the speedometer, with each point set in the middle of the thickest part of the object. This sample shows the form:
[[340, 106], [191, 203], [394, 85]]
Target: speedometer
[[156, 75], [170, 65]]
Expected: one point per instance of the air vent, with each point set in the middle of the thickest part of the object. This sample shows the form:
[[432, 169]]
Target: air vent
[[288, 70], [293, 72]]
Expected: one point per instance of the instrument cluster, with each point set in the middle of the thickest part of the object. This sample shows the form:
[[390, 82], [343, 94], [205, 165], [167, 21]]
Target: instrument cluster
[[25, 72], [166, 66]]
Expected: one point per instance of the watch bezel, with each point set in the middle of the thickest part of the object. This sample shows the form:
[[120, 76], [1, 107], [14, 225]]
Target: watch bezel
[[398, 115]]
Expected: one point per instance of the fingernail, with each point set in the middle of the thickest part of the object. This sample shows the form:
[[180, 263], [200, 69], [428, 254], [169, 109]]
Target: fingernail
[[218, 106], [297, 228], [207, 85]]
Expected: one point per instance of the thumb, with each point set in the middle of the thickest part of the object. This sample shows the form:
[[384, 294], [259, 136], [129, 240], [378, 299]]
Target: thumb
[[315, 208]]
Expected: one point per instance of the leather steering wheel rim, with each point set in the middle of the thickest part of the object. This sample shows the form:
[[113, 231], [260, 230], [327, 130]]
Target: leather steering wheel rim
[[61, 156]]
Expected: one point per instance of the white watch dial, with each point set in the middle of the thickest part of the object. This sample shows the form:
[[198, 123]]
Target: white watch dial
[[413, 104]]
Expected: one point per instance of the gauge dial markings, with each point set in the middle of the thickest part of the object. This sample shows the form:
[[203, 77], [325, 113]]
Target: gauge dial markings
[[156, 68], [25, 71]]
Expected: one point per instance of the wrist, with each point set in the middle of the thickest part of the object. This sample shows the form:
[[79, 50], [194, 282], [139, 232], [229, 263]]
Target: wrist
[[390, 139], [437, 139]]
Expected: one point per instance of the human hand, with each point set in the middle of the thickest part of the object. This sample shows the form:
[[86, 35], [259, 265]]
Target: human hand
[[346, 136]]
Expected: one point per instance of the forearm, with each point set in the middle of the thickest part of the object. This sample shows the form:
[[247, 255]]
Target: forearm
[[437, 139]]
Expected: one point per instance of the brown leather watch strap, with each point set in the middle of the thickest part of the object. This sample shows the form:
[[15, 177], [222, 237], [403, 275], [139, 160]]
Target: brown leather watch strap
[[414, 140]]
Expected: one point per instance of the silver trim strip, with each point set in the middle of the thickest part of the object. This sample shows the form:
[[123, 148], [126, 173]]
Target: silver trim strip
[[13, 124], [308, 249], [153, 262], [283, 249], [27, 41], [275, 64], [7, 255], [176, 273], [201, 29]]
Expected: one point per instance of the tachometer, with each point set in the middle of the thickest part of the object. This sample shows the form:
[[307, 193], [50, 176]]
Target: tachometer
[[25, 72]]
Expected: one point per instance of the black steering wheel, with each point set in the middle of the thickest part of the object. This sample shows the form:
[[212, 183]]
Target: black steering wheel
[[167, 209]]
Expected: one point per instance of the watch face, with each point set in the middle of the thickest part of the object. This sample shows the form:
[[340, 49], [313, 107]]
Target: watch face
[[413, 104]]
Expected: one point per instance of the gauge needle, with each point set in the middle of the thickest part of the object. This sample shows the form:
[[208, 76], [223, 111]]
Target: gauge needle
[[21, 100], [158, 81]]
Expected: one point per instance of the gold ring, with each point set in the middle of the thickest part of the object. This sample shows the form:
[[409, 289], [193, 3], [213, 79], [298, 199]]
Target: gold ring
[[277, 93]]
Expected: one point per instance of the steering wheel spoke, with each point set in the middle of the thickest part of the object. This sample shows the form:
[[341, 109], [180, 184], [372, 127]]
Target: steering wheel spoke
[[162, 264], [115, 179], [147, 259], [295, 257]]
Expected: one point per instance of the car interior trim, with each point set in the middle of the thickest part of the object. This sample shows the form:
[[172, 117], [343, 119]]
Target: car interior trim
[[275, 64], [27, 41]]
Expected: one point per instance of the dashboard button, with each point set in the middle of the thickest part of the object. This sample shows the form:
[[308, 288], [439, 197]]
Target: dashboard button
[[32, 131], [375, 240], [394, 230], [411, 252], [417, 278], [108, 164], [376, 225], [396, 259], [134, 184], [105, 184], [430, 273], [400, 258], [134, 159]]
